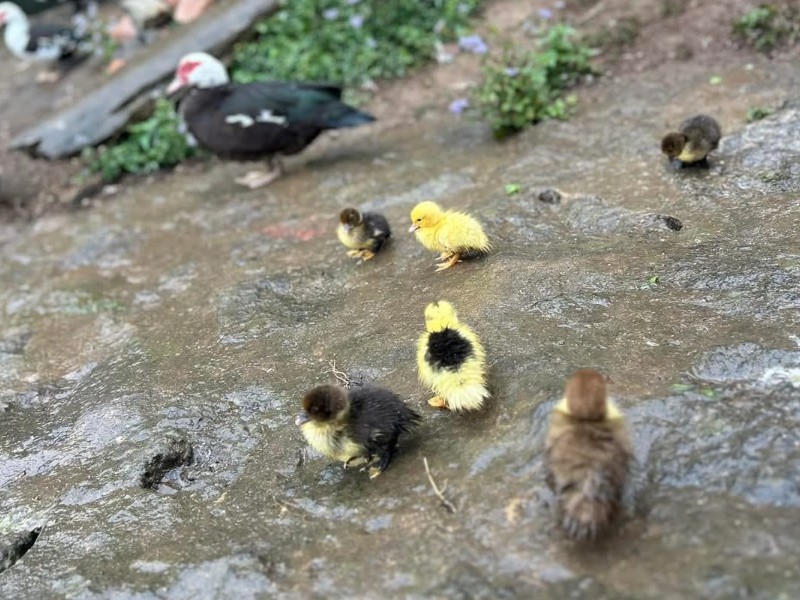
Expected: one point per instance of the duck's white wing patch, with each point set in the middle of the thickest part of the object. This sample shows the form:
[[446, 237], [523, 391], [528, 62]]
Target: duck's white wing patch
[[243, 120], [267, 116]]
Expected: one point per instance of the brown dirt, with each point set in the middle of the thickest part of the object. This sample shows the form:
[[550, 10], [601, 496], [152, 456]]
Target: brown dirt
[[670, 31]]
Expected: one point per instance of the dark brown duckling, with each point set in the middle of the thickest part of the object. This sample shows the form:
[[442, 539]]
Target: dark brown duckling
[[357, 426], [364, 233], [587, 455], [691, 144]]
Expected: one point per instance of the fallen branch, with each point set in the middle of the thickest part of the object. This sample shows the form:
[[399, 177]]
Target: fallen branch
[[439, 492]]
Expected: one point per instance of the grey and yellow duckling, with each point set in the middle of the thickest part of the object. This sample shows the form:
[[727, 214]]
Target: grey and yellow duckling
[[691, 144], [364, 233], [587, 455], [360, 426]]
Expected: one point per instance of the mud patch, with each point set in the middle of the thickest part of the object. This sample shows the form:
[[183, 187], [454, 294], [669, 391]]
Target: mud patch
[[178, 454]]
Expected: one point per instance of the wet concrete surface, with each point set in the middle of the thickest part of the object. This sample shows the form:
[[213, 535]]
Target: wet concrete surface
[[186, 313]]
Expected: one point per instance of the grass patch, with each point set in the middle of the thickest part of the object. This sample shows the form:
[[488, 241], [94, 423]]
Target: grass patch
[[767, 27], [522, 88], [348, 42]]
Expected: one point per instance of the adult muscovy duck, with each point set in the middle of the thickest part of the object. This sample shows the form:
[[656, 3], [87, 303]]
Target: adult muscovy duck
[[251, 121], [43, 42]]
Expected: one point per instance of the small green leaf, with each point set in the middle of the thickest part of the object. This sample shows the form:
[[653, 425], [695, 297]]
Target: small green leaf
[[715, 80], [653, 280], [681, 387], [512, 189]]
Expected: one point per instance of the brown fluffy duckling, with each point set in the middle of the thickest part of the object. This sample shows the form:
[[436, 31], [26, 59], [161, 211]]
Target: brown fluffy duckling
[[357, 426], [691, 144], [364, 233], [587, 455]]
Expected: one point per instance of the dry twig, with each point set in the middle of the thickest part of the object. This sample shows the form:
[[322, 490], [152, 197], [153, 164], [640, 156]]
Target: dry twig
[[439, 492], [341, 376]]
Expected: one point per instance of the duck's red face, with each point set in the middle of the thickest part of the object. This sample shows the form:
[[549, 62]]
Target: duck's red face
[[183, 75], [2, 18]]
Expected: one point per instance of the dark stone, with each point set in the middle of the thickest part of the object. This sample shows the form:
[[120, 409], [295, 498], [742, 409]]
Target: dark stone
[[550, 196]]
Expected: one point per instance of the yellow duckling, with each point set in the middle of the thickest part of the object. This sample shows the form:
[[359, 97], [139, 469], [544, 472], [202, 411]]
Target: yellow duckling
[[364, 233], [587, 455], [361, 425], [454, 235], [696, 137], [451, 360]]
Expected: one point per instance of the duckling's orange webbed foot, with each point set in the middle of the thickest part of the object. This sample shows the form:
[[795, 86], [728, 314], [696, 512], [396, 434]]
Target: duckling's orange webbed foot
[[367, 255], [453, 261], [374, 472], [444, 256], [438, 402]]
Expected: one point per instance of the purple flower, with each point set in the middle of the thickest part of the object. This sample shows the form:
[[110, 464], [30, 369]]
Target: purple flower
[[512, 71], [545, 13], [330, 14], [474, 44], [459, 105], [356, 21]]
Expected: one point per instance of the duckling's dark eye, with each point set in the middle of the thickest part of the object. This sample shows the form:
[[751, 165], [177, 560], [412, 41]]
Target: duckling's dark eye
[[420, 219]]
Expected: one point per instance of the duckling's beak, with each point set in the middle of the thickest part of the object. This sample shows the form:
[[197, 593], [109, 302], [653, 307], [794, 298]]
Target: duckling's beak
[[302, 419], [413, 228]]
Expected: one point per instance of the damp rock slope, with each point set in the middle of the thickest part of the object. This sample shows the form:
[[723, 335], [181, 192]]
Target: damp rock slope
[[154, 350]]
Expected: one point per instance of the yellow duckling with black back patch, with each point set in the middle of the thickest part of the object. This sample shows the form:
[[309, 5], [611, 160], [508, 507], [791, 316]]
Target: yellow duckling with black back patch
[[451, 360], [360, 426], [587, 455], [454, 235], [691, 144], [364, 233]]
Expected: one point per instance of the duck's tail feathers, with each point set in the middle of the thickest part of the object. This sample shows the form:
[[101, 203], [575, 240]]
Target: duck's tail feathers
[[469, 397], [590, 507], [340, 115]]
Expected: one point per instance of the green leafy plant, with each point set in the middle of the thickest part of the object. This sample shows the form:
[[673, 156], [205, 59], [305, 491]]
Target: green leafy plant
[[147, 146], [347, 42], [756, 113], [522, 88], [767, 26]]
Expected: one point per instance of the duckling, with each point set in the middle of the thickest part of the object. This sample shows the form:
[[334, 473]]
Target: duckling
[[365, 234], [451, 360], [357, 426], [587, 455], [696, 137], [454, 235]]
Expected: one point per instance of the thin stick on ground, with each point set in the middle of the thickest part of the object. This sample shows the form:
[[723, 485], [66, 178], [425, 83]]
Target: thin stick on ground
[[341, 376], [439, 492]]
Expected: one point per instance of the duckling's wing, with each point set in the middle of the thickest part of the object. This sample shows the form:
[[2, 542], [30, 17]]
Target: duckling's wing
[[462, 234], [374, 417]]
